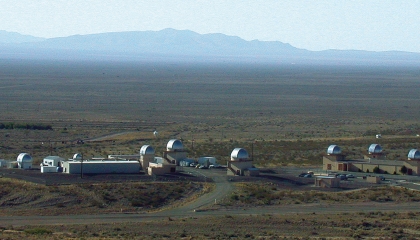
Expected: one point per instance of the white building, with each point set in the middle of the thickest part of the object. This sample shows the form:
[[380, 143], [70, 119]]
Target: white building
[[53, 161], [100, 167]]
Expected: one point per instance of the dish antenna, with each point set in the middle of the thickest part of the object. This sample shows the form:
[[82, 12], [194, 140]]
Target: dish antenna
[[155, 133]]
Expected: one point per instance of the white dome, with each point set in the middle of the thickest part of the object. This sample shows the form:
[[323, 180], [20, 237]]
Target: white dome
[[333, 149], [375, 148], [239, 154], [414, 154], [24, 157], [174, 144], [147, 150], [77, 156]]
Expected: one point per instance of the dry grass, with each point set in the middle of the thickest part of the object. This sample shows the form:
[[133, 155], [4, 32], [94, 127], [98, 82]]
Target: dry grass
[[261, 194], [22, 198], [371, 225]]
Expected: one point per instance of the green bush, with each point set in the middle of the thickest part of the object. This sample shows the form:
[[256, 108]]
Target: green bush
[[38, 231]]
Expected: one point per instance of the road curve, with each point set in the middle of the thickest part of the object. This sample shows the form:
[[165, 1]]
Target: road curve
[[223, 187]]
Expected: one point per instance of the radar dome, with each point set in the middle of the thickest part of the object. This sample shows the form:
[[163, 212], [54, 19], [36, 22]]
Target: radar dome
[[239, 154], [414, 154], [24, 158], [375, 148], [146, 150], [174, 144], [333, 149]]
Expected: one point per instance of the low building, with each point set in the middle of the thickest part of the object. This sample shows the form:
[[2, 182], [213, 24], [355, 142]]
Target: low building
[[160, 168], [375, 161], [53, 161], [327, 182], [207, 161], [100, 167]]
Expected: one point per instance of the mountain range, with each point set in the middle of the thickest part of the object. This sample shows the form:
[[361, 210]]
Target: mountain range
[[183, 45]]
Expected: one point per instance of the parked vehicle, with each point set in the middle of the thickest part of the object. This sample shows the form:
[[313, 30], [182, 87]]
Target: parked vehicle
[[342, 177], [350, 176]]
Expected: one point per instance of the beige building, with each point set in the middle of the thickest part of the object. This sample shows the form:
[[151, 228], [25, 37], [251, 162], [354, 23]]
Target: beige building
[[336, 161], [327, 182], [240, 164]]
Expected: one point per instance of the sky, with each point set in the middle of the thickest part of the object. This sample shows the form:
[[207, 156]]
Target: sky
[[374, 25]]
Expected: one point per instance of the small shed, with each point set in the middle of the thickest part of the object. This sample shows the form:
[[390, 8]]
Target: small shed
[[327, 182], [373, 179], [207, 161], [3, 163]]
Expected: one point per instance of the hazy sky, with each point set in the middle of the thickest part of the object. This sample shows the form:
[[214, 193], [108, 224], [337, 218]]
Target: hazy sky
[[376, 25]]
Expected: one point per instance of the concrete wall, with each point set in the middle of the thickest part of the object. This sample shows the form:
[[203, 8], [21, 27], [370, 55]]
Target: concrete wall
[[161, 169], [239, 167], [175, 156], [145, 160], [364, 167], [49, 169]]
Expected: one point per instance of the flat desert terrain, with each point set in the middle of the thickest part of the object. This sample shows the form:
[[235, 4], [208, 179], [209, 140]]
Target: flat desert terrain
[[287, 114]]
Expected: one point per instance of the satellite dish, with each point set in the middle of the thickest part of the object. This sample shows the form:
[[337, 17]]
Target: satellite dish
[[155, 133]]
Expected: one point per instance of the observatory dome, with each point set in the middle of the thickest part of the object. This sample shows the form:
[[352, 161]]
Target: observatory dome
[[24, 158], [146, 150], [174, 144], [333, 149], [375, 148], [414, 154], [239, 154], [77, 156]]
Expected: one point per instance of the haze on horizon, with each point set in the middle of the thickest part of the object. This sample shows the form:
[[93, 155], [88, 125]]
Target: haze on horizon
[[373, 25]]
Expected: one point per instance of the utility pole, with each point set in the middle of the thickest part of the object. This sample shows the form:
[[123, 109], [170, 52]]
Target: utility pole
[[81, 167]]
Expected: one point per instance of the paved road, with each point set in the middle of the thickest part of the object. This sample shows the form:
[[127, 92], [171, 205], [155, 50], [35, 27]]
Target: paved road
[[281, 210], [222, 189]]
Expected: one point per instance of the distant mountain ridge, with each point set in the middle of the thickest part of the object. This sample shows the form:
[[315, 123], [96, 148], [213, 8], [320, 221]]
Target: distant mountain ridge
[[181, 44], [14, 37]]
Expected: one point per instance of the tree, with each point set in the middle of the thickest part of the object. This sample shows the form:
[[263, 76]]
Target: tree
[[377, 170], [403, 170]]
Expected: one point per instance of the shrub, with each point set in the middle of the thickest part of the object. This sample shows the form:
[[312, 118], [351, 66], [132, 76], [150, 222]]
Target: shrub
[[38, 231]]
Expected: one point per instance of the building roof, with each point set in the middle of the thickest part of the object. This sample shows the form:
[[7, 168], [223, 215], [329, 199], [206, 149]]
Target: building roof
[[414, 154], [239, 153], [375, 148], [334, 149], [146, 150], [174, 144]]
